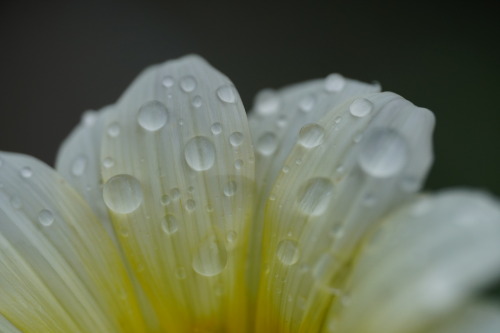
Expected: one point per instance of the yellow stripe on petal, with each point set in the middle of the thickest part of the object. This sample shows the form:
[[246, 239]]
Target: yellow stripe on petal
[[59, 269], [180, 193]]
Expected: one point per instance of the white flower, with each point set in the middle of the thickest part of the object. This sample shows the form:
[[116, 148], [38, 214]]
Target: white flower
[[170, 213]]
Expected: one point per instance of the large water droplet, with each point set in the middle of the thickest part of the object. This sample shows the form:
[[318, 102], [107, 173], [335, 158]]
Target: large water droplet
[[311, 135], [315, 196], [383, 154], [236, 139], [188, 83], [122, 194], [153, 116], [361, 107], [26, 172], [334, 83], [168, 81], [113, 130], [200, 153], [267, 143], [227, 94], [45, 217], [288, 252], [230, 188], [268, 103], [169, 224], [210, 258], [79, 165]]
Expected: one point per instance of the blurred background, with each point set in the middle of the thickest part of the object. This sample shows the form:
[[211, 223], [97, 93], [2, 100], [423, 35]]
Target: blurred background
[[60, 58]]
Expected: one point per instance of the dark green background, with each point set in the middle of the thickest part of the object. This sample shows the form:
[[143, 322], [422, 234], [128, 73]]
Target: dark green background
[[59, 59]]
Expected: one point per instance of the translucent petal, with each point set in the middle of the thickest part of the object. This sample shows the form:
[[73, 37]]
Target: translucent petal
[[342, 176], [59, 269], [424, 263], [478, 317], [6, 326], [180, 192]]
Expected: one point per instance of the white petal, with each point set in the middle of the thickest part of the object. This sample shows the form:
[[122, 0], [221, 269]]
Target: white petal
[[478, 317], [59, 270], [6, 326], [344, 174], [425, 262], [180, 192]]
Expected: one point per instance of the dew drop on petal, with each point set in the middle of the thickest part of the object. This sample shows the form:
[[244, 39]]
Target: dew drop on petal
[[79, 165], [210, 259], [383, 154], [89, 118], [152, 116], [360, 107], [227, 94], [307, 103], [216, 128], [268, 103], [188, 83], [199, 153], [26, 172], [168, 81], [267, 143], [113, 130], [123, 194], [190, 205], [108, 162], [288, 252], [238, 164], [231, 236], [230, 188], [334, 83], [311, 135], [45, 217], [315, 196], [197, 101], [165, 200], [169, 224], [236, 139]]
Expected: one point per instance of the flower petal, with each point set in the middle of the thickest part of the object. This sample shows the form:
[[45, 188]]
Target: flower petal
[[6, 326], [180, 192], [425, 262], [478, 317], [345, 173], [59, 270]]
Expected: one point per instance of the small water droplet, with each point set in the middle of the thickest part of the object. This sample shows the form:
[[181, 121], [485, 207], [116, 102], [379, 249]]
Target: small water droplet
[[200, 153], [288, 252], [383, 153], [238, 164], [286, 169], [227, 94], [152, 116], [311, 135], [334, 83], [108, 162], [190, 205], [89, 118], [267, 144], [315, 196], [113, 130], [175, 193], [79, 165], [236, 139], [168, 81], [210, 259], [360, 107], [26, 172], [307, 103], [216, 128], [230, 188], [169, 224], [197, 101], [165, 200], [231, 236], [45, 217], [122, 194], [188, 83], [268, 103]]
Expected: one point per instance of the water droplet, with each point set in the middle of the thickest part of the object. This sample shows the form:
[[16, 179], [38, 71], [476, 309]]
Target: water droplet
[[153, 116], [108, 162], [311, 135], [334, 83], [165, 200], [200, 153], [236, 139], [285, 169], [307, 103], [79, 165], [315, 196], [45, 217], [168, 81], [383, 153], [176, 193], [210, 258], [231, 236], [89, 118], [227, 94], [197, 101], [238, 164], [268, 103], [190, 205], [113, 130], [216, 128], [230, 188], [281, 121], [26, 172], [188, 83], [122, 194], [169, 224], [288, 252], [360, 107], [267, 143]]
